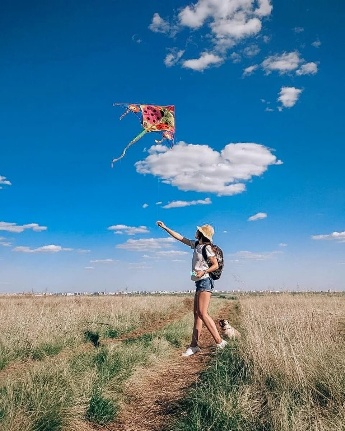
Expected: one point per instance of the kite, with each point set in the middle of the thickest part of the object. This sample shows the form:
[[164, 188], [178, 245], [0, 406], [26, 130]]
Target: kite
[[153, 118]]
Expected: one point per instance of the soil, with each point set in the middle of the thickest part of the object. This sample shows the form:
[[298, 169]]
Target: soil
[[153, 395]]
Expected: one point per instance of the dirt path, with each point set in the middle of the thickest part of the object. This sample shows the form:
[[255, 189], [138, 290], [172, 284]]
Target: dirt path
[[153, 394]]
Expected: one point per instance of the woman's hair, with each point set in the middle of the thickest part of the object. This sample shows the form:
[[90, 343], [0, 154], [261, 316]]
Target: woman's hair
[[202, 237]]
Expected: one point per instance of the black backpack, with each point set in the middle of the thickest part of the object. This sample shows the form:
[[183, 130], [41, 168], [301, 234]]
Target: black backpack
[[215, 275]]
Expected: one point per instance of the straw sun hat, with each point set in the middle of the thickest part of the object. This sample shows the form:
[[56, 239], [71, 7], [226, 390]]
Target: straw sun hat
[[207, 230]]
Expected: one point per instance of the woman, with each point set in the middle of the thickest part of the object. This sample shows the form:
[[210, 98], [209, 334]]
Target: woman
[[203, 282]]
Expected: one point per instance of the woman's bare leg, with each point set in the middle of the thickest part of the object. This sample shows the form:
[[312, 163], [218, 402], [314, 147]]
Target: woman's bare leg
[[197, 323], [201, 303]]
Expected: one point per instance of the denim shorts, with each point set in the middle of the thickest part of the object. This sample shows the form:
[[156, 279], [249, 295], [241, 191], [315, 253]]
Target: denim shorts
[[204, 285]]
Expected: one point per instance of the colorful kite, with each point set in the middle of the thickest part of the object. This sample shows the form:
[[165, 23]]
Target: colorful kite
[[153, 118]]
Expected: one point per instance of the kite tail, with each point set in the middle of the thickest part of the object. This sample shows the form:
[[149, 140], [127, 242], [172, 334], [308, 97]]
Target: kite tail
[[133, 141]]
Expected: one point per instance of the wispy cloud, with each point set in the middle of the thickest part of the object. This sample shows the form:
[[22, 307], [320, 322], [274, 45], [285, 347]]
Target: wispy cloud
[[129, 230], [103, 261], [258, 216], [147, 245], [316, 43], [249, 255], [200, 168], [45, 249], [4, 181], [4, 242], [288, 96], [250, 69], [13, 227], [334, 236], [181, 204], [173, 57], [171, 253]]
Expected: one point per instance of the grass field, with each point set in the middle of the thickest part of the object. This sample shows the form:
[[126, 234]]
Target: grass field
[[65, 362]]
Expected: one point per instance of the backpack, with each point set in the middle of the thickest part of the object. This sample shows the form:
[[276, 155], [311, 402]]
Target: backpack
[[215, 275]]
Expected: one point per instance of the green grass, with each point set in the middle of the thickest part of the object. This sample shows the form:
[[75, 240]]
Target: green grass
[[100, 410], [213, 404]]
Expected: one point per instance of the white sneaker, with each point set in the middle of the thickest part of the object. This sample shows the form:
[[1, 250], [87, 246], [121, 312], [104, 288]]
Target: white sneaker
[[222, 344], [191, 351]]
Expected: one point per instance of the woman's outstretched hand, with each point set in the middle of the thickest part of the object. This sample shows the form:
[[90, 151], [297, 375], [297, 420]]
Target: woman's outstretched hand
[[161, 224]]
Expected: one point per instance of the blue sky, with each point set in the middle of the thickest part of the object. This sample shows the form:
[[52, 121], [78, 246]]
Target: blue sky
[[259, 153]]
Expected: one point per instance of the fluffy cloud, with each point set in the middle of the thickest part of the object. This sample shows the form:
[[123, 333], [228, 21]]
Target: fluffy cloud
[[258, 216], [227, 23], [289, 62], [334, 236], [129, 230], [200, 168], [288, 96], [180, 204], [307, 69], [45, 249], [203, 62], [159, 25], [283, 63], [146, 245], [13, 227], [4, 181]]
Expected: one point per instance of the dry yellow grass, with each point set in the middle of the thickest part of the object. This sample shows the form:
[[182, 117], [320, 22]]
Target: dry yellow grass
[[30, 322], [297, 349]]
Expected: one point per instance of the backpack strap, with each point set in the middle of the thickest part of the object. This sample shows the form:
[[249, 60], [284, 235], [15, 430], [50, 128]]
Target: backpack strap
[[203, 251]]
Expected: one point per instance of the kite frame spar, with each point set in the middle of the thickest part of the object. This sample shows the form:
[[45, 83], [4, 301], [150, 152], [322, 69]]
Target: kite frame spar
[[165, 124]]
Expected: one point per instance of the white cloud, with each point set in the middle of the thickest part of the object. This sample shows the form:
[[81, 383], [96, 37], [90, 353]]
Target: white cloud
[[249, 70], [45, 249], [13, 227], [282, 244], [235, 57], [307, 69], [200, 168], [258, 216], [251, 51], [159, 25], [288, 96], [145, 205], [180, 204], [284, 63], [334, 236], [147, 245], [171, 253], [203, 62], [103, 261], [227, 23], [298, 29], [248, 255], [289, 62], [4, 242], [4, 181], [173, 57], [129, 230], [316, 43]]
